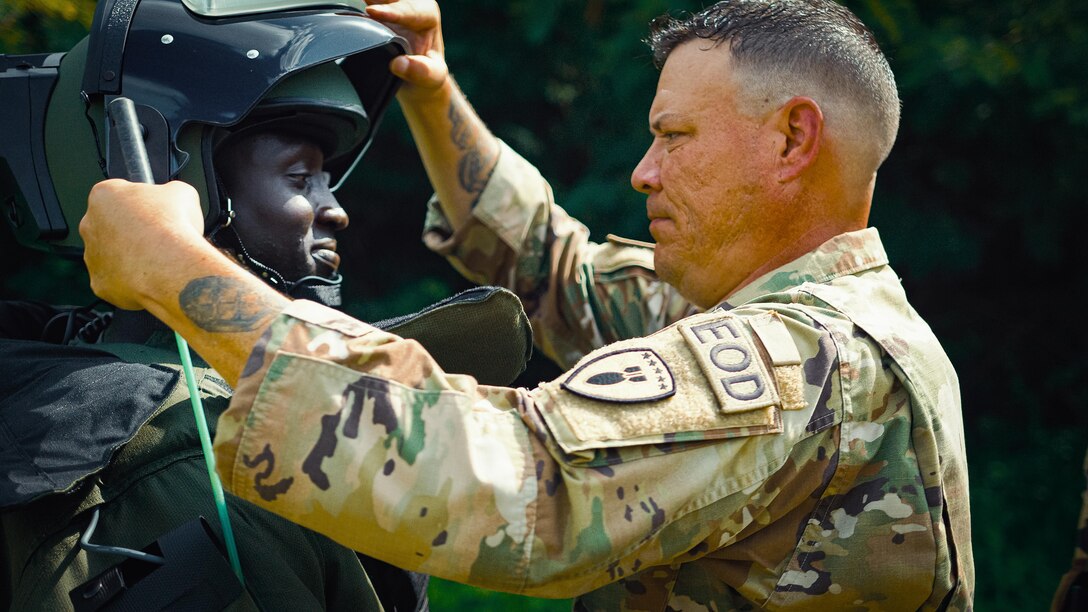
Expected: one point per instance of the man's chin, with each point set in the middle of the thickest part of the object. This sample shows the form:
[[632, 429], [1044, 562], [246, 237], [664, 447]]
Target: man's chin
[[314, 270], [324, 272], [686, 281], [663, 266]]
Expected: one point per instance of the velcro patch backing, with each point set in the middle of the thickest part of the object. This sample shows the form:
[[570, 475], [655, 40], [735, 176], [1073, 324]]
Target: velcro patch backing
[[776, 339], [692, 413], [785, 359], [724, 349]]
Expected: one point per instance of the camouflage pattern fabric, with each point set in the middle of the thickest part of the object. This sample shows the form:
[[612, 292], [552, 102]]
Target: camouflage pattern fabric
[[580, 296], [799, 447], [1072, 593]]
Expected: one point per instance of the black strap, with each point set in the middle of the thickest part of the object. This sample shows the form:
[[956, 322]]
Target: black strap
[[195, 576]]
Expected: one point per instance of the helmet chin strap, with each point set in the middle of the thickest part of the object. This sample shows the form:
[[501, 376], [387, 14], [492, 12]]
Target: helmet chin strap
[[315, 288]]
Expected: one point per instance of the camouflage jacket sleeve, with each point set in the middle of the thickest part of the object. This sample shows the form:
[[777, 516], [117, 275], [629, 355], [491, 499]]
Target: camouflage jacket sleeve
[[359, 435], [579, 295]]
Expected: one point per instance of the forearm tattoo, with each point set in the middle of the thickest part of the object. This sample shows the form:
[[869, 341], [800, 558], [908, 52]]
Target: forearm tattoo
[[219, 304], [473, 168]]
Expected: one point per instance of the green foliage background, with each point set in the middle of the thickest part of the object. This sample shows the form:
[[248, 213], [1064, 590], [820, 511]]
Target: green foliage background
[[981, 205]]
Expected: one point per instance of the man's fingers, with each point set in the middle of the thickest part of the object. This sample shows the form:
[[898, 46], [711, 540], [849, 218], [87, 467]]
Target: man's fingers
[[427, 71], [163, 205], [116, 208], [410, 14], [123, 231], [191, 211]]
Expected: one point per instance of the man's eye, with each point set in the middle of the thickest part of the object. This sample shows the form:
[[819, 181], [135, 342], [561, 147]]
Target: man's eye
[[301, 179], [671, 138]]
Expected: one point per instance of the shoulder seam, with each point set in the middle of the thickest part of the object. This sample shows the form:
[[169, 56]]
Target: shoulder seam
[[613, 238]]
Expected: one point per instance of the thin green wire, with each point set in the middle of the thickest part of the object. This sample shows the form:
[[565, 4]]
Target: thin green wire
[[209, 458], [122, 115]]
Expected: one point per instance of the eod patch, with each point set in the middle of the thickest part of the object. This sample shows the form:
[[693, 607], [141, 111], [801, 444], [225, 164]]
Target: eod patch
[[628, 376], [731, 363]]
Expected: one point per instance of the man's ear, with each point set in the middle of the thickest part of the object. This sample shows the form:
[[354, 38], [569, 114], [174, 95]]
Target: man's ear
[[800, 124]]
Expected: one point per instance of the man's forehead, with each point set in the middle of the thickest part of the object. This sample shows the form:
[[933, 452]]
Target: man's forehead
[[273, 139], [662, 120], [698, 57], [280, 133], [697, 76]]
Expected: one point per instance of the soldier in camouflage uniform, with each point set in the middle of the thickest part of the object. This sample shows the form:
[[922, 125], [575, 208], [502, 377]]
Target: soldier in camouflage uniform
[[755, 417]]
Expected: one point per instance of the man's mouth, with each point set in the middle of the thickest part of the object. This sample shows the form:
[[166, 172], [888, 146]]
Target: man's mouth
[[654, 210], [658, 219], [326, 257]]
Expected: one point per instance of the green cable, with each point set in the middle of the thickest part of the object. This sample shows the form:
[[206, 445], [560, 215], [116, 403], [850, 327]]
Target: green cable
[[209, 458], [121, 112]]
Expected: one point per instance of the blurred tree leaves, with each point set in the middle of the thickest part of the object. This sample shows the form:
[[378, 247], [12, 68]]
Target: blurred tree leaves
[[981, 202], [35, 26]]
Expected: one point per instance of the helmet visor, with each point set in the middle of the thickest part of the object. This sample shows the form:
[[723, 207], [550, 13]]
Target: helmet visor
[[226, 8]]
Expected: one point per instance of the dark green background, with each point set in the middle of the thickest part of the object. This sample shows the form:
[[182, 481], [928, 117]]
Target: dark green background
[[981, 206]]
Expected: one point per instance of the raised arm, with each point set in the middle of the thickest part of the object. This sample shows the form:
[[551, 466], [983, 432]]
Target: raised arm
[[495, 219], [433, 472], [457, 149]]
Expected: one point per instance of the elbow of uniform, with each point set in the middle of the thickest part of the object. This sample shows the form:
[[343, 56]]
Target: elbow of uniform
[[555, 589], [563, 582]]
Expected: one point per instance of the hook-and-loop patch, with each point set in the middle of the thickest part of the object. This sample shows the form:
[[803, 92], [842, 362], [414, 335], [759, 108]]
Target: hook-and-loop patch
[[784, 356], [724, 349], [629, 375]]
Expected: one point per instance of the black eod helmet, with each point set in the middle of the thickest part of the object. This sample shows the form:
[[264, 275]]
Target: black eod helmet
[[197, 73]]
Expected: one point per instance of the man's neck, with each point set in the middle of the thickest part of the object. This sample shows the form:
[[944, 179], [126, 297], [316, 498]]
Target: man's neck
[[803, 245]]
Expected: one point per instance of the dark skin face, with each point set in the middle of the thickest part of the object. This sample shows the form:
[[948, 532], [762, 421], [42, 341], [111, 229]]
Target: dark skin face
[[286, 216]]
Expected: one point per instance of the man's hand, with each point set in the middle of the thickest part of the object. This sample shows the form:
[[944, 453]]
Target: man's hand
[[457, 149], [420, 22], [145, 249], [129, 233]]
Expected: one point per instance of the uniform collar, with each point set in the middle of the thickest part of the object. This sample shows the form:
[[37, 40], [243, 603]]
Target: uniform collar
[[843, 255]]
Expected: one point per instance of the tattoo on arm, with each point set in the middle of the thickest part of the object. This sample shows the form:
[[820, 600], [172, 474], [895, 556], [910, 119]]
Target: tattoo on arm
[[473, 169], [219, 304]]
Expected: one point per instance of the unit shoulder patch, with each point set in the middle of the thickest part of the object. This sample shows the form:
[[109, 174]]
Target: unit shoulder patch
[[724, 349], [613, 413], [626, 376]]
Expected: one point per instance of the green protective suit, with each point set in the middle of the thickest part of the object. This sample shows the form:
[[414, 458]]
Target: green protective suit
[[110, 428]]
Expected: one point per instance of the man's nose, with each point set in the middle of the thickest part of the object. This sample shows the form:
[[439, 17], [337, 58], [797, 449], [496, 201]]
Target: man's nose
[[646, 177], [327, 211], [330, 214]]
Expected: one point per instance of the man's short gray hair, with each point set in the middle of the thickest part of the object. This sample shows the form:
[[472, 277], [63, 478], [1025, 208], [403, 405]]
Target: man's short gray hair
[[786, 48]]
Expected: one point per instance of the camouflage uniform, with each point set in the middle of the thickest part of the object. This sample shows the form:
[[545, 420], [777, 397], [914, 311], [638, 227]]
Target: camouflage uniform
[[800, 446]]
